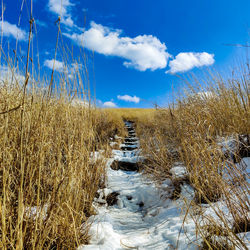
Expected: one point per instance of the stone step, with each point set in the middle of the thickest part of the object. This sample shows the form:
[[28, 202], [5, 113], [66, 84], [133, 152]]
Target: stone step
[[124, 148], [130, 129], [130, 139], [130, 143], [125, 166]]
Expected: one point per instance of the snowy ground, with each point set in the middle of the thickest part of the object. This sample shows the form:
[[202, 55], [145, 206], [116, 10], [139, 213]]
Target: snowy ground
[[144, 218]]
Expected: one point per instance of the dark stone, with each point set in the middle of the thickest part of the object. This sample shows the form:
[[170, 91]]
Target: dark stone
[[126, 166], [141, 204], [129, 139], [131, 130], [132, 136], [112, 198], [128, 148], [129, 197], [130, 143]]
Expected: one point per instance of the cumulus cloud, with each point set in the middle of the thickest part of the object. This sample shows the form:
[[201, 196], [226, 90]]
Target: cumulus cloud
[[11, 30], [187, 61], [62, 8], [59, 66], [109, 104], [59, 7], [129, 98], [142, 52]]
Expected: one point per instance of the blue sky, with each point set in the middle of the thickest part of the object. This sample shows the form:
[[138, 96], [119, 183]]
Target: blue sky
[[140, 47]]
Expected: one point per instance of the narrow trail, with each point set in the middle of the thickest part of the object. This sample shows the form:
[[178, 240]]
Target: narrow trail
[[138, 215]]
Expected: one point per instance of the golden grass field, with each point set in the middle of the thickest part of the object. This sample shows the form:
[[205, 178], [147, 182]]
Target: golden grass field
[[48, 178]]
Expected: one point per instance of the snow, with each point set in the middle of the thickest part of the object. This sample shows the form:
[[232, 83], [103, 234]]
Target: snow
[[155, 225], [246, 238], [178, 170], [144, 216], [229, 144], [34, 212], [136, 145], [113, 143]]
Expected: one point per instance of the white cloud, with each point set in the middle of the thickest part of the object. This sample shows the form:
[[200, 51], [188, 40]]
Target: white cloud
[[80, 102], [142, 52], [129, 98], [62, 8], [109, 104], [11, 30], [10, 75], [68, 21], [59, 66], [59, 7], [206, 95], [187, 61]]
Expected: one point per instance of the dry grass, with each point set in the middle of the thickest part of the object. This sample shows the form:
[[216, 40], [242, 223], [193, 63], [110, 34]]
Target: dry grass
[[189, 131], [46, 166], [48, 178]]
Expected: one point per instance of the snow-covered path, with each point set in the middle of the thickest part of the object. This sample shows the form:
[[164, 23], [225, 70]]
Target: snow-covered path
[[143, 218]]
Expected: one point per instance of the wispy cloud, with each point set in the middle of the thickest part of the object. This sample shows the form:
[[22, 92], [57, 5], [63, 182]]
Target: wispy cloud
[[142, 52], [187, 61], [71, 70], [129, 98], [9, 75], [41, 23], [11, 30], [59, 66], [109, 104]]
